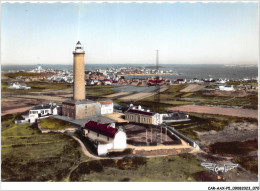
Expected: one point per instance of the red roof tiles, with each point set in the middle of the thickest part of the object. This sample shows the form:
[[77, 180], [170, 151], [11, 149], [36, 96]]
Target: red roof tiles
[[141, 112], [102, 129]]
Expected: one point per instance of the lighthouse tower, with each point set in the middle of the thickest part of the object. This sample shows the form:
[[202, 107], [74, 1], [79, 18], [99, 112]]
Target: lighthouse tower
[[79, 72], [79, 107]]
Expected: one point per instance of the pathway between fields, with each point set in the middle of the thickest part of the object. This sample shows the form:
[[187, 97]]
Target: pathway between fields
[[236, 112]]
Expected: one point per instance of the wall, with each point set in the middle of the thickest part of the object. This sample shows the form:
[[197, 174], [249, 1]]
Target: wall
[[107, 108], [102, 149], [137, 118], [68, 110], [120, 140], [93, 136]]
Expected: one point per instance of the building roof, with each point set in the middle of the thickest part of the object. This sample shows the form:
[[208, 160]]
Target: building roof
[[141, 112], [106, 102], [46, 106], [155, 81], [106, 80], [100, 128], [76, 102]]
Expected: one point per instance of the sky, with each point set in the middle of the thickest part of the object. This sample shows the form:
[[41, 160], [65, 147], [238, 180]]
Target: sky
[[130, 33]]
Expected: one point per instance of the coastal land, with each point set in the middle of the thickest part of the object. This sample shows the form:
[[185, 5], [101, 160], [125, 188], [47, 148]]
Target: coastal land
[[60, 154]]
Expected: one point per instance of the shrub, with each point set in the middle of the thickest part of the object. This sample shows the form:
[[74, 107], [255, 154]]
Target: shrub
[[234, 148], [205, 176], [95, 166], [108, 163], [123, 153]]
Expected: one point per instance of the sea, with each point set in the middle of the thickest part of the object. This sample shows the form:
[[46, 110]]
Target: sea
[[185, 71]]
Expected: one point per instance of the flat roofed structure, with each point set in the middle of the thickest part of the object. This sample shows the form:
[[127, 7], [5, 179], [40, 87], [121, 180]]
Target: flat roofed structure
[[79, 109]]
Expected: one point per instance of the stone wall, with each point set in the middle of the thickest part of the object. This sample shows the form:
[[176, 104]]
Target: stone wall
[[161, 152]]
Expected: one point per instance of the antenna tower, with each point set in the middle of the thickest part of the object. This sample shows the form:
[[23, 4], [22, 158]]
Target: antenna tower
[[157, 84]]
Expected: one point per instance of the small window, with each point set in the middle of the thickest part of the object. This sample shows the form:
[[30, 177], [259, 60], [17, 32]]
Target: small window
[[108, 139], [97, 134]]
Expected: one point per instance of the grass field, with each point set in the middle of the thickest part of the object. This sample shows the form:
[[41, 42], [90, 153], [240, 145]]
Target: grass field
[[173, 97], [245, 83], [99, 90], [55, 124], [36, 86], [234, 148], [206, 122], [47, 85], [13, 75], [170, 168], [28, 155]]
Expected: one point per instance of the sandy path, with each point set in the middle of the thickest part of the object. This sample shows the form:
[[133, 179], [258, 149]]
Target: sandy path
[[117, 94], [16, 110], [250, 113], [192, 88], [137, 96], [42, 97]]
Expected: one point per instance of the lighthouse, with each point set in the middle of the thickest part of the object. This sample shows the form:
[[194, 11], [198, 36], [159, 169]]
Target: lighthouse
[[79, 72], [79, 107]]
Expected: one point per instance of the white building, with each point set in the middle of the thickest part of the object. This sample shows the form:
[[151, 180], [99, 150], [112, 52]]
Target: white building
[[226, 88], [18, 86], [221, 81], [39, 111], [107, 107], [107, 82], [105, 137]]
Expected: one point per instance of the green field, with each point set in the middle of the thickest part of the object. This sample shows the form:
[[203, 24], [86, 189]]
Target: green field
[[234, 148], [36, 87], [206, 122], [99, 90], [173, 97], [55, 124], [170, 169], [13, 75], [28, 155]]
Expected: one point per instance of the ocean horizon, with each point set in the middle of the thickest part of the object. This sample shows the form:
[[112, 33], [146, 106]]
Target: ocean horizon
[[187, 71]]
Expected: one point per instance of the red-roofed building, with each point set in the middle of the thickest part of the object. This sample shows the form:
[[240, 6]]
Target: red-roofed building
[[107, 82], [104, 136], [181, 81], [155, 82]]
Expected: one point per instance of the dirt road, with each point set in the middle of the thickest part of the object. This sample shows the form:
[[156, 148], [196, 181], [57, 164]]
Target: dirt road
[[193, 88]]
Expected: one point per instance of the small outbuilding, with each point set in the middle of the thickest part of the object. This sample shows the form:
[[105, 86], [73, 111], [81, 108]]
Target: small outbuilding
[[105, 137]]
